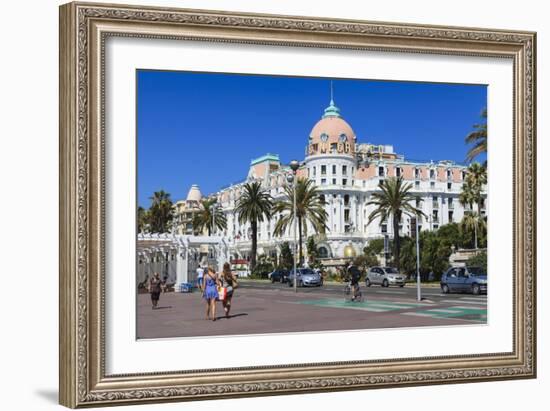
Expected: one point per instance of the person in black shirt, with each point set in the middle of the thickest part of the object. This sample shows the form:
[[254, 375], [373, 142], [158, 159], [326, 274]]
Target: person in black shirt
[[354, 276]]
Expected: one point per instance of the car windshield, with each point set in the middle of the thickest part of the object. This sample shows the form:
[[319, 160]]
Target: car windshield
[[391, 270], [476, 271], [306, 271]]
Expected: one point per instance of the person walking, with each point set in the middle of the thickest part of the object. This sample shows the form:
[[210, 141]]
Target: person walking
[[210, 292], [229, 281], [155, 287], [200, 276]]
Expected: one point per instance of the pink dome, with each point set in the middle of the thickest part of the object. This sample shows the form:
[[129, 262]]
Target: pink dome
[[328, 131]]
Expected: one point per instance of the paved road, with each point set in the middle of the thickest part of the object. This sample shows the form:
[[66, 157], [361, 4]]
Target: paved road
[[260, 308]]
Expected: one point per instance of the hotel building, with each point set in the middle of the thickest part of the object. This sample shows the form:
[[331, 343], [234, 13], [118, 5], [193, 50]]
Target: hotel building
[[347, 172]]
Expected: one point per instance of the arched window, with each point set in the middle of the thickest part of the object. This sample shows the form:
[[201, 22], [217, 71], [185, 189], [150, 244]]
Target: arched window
[[323, 252]]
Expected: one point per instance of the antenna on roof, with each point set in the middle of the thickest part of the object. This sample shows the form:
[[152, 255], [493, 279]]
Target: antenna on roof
[[331, 94]]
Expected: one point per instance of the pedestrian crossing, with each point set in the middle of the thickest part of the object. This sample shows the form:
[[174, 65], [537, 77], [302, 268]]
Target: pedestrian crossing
[[465, 308]]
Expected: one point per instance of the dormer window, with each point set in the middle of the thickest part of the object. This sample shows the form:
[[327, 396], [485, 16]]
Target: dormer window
[[324, 137], [343, 138]]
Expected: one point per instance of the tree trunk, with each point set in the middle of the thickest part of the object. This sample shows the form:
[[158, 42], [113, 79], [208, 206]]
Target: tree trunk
[[300, 241], [396, 242], [254, 227]]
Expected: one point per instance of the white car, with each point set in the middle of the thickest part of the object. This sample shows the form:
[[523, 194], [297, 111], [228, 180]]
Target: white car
[[385, 276]]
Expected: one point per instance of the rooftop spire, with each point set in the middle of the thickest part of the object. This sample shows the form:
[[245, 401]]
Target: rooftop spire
[[332, 110]]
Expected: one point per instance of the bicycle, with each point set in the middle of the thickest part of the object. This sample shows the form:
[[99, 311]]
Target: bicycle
[[353, 296]]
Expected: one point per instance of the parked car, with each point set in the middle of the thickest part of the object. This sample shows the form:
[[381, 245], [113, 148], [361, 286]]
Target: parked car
[[278, 276], [306, 278], [385, 276], [464, 280]]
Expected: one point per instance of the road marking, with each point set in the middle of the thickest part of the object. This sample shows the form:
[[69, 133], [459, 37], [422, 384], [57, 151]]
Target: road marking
[[450, 311], [474, 298], [418, 314], [462, 302], [390, 292]]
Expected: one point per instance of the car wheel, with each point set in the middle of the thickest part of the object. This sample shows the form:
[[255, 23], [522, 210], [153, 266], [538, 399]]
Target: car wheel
[[401, 285], [475, 289], [385, 283], [300, 284], [445, 289], [272, 280], [368, 283]]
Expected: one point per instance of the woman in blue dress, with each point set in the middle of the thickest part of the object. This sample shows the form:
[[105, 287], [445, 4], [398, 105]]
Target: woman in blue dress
[[210, 286]]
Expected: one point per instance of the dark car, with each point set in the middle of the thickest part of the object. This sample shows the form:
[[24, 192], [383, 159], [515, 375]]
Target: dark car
[[278, 276], [464, 280], [306, 278]]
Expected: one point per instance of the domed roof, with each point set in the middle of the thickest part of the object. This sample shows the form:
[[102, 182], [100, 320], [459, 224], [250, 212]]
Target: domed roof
[[194, 193], [332, 128]]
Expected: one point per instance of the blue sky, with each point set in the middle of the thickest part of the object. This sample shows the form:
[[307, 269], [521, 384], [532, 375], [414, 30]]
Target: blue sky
[[205, 128]]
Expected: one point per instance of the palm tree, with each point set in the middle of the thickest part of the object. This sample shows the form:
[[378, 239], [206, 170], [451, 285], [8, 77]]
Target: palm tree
[[473, 221], [208, 217], [254, 206], [309, 207], [478, 138], [161, 212], [142, 219], [476, 178], [393, 199]]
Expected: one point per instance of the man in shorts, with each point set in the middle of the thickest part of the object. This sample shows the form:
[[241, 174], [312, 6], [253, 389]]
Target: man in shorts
[[200, 276]]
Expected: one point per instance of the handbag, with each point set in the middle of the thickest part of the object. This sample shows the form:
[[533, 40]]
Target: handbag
[[222, 292]]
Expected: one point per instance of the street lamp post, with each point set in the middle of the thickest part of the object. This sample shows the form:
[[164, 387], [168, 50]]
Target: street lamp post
[[418, 289], [294, 165]]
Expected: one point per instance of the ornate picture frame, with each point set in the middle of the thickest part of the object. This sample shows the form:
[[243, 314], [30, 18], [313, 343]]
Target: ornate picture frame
[[84, 28]]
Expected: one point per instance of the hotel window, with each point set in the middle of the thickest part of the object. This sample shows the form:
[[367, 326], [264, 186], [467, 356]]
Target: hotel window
[[435, 216], [463, 175], [334, 181], [384, 228], [346, 216], [435, 202], [344, 181], [417, 184], [364, 183], [398, 171], [344, 170], [451, 204], [323, 170], [432, 174], [417, 173], [334, 169], [352, 170], [432, 184], [323, 181], [450, 216], [449, 174], [449, 186], [346, 200], [314, 171], [322, 199], [417, 202], [381, 171]]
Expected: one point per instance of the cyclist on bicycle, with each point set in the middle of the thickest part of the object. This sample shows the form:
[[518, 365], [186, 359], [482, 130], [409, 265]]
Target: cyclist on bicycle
[[354, 276]]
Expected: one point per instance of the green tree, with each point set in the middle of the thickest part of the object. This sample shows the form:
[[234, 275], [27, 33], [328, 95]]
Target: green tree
[[476, 179], [478, 137], [263, 267], [286, 260], [142, 219], [478, 260], [161, 212], [309, 208], [254, 205], [394, 198], [209, 217], [475, 224], [408, 255], [434, 254]]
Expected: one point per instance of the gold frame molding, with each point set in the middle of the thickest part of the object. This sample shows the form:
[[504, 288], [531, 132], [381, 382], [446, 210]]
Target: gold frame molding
[[84, 27]]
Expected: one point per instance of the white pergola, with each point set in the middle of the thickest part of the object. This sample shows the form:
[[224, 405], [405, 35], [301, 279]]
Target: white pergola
[[175, 257]]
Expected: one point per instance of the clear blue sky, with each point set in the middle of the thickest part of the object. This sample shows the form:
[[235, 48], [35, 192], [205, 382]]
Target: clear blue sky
[[205, 128]]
